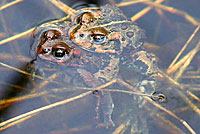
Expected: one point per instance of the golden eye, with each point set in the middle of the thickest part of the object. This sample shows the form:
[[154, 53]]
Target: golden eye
[[99, 35], [98, 38], [51, 35], [85, 18], [59, 51]]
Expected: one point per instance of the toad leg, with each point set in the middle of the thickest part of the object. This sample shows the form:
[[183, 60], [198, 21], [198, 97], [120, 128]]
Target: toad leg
[[106, 99], [144, 63]]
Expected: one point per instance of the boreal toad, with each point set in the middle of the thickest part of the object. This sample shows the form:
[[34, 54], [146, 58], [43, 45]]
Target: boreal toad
[[93, 48], [51, 48], [111, 32]]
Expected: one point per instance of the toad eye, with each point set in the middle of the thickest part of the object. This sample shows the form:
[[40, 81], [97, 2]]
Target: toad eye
[[59, 51], [51, 35], [98, 39], [85, 17]]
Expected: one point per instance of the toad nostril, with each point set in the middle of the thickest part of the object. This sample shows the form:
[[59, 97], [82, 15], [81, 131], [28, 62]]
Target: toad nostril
[[46, 50]]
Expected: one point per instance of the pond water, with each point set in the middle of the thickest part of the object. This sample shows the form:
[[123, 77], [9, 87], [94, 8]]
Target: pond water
[[47, 105]]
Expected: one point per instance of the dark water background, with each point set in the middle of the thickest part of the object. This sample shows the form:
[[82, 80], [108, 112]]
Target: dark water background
[[168, 33]]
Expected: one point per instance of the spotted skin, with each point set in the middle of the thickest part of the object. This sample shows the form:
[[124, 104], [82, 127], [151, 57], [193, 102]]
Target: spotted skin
[[67, 57], [94, 47], [121, 37]]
